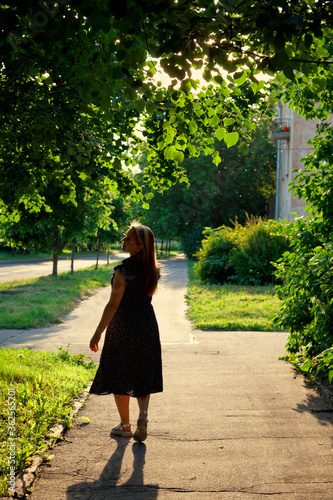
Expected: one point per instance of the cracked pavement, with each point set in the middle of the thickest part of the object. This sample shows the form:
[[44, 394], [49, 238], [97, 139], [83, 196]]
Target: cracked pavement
[[232, 423]]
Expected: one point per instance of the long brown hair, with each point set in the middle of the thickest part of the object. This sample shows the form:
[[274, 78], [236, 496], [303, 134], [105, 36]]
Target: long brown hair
[[145, 237]]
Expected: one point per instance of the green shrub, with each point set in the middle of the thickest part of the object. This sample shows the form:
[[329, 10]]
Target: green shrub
[[253, 259], [319, 366], [306, 275], [242, 255], [214, 254], [306, 271]]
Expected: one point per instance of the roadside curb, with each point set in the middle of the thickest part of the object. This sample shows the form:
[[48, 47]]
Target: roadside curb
[[25, 479]]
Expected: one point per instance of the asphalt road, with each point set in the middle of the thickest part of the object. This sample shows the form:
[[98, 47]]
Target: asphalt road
[[32, 269]]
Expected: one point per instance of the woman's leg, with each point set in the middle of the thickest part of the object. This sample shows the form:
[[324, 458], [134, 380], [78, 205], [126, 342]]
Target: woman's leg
[[122, 403], [143, 402], [141, 431]]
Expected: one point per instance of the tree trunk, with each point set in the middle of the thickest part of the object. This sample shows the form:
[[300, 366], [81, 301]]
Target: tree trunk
[[108, 254], [72, 259], [98, 248], [55, 265], [56, 248]]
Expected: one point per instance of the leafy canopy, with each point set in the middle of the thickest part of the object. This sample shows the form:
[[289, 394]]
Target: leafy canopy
[[79, 78]]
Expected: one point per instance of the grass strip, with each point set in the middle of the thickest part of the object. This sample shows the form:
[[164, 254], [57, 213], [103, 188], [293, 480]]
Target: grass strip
[[5, 255], [37, 390], [43, 301], [20, 256], [231, 307]]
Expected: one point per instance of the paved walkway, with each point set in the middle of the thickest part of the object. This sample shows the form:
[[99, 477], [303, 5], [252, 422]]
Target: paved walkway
[[232, 422]]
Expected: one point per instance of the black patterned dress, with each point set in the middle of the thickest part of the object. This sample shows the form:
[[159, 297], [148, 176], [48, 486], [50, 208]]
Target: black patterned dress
[[130, 362]]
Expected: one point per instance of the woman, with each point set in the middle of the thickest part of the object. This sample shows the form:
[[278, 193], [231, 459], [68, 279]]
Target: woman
[[130, 363]]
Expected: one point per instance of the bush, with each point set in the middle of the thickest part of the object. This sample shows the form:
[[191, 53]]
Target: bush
[[242, 255], [213, 257], [306, 275]]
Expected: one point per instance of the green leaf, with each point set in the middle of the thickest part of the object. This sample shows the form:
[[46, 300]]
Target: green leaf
[[186, 85], [65, 198], [231, 139], [139, 105], [218, 79], [220, 133], [240, 78], [193, 126], [249, 125], [159, 97], [306, 366], [281, 77], [288, 71], [170, 152], [216, 159], [150, 107], [318, 85], [169, 137], [192, 149], [228, 121], [179, 156], [244, 148], [330, 376], [254, 87], [215, 120]]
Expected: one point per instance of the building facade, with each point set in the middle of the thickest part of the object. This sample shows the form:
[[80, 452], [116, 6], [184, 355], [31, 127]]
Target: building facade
[[291, 134]]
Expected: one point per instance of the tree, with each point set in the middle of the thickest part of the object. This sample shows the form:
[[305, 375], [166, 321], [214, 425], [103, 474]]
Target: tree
[[216, 194], [98, 60], [58, 224]]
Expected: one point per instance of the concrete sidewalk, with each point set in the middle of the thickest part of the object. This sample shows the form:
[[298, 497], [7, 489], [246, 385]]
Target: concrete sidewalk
[[232, 422]]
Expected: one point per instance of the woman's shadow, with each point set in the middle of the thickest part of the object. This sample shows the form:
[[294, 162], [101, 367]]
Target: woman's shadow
[[106, 486]]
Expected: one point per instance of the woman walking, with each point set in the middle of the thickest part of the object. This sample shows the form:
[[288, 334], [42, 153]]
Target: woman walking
[[130, 364]]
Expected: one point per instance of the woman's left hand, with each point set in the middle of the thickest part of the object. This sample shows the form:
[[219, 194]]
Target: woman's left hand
[[94, 342]]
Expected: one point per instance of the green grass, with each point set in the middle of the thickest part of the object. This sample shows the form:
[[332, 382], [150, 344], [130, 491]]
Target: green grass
[[43, 386], [40, 302], [17, 256], [231, 307]]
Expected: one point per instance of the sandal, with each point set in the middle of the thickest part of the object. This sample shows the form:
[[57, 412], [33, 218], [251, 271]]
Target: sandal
[[118, 430], [141, 430]]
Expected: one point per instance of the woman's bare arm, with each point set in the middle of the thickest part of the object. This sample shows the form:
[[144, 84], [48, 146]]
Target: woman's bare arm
[[118, 289]]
